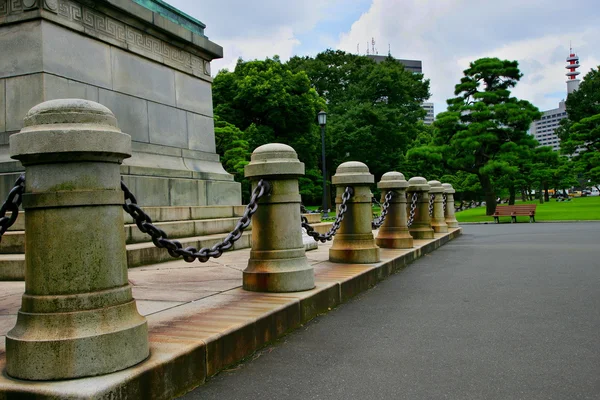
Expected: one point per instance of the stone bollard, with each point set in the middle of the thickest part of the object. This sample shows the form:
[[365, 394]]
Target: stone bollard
[[449, 214], [354, 243], [278, 261], [394, 233], [438, 220], [77, 316], [421, 226]]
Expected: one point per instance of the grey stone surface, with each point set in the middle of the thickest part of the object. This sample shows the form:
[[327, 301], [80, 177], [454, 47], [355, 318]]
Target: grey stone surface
[[223, 193], [143, 78], [2, 105], [168, 125], [131, 113], [183, 192], [20, 49], [74, 56], [201, 133], [505, 312], [193, 94], [22, 93], [56, 87]]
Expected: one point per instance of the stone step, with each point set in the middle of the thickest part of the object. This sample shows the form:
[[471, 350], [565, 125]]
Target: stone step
[[173, 214], [13, 242], [12, 266]]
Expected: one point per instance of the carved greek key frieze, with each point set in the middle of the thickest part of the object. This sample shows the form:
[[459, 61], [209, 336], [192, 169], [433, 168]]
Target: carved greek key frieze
[[131, 37], [10, 7]]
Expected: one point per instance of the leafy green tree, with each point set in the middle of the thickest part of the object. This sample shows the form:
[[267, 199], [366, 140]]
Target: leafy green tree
[[272, 103], [234, 151], [483, 124], [581, 129], [374, 109]]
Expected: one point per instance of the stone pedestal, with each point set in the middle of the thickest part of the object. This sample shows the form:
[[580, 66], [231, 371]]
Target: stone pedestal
[[77, 317], [278, 261], [393, 234], [438, 220], [354, 243], [421, 226], [449, 213], [149, 64]]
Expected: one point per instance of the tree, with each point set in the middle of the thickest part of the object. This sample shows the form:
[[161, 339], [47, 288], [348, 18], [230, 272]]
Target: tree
[[272, 104], [374, 109], [234, 151], [580, 131], [484, 124]]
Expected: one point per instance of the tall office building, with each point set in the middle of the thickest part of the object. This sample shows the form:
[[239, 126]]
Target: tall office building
[[544, 129], [430, 116]]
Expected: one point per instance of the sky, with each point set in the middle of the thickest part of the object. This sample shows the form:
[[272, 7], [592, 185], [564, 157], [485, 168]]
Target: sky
[[446, 35]]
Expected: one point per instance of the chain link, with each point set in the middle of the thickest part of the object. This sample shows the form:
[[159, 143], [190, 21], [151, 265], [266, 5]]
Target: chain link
[[348, 193], [12, 203], [384, 210], [189, 254], [444, 201], [431, 200], [413, 209]]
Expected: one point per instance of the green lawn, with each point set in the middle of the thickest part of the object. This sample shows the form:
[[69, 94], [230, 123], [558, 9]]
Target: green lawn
[[579, 208]]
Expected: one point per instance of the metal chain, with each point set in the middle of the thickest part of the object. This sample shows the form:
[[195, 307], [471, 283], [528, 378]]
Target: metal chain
[[444, 201], [189, 254], [303, 209], [431, 200], [348, 193], [413, 209], [12, 203], [384, 210]]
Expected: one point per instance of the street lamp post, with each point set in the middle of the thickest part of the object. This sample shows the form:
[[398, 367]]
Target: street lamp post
[[322, 118]]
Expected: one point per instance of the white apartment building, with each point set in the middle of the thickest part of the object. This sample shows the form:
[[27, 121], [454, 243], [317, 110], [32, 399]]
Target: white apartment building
[[543, 129], [430, 116]]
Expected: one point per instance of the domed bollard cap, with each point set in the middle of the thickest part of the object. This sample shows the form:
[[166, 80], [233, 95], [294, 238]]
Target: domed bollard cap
[[449, 214], [421, 225], [418, 184], [448, 188], [277, 261], [438, 220], [354, 242], [392, 180], [435, 187], [77, 317], [352, 173], [274, 159], [393, 234], [84, 129]]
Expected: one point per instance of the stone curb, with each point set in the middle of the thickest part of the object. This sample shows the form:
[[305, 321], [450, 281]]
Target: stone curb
[[527, 222], [190, 343]]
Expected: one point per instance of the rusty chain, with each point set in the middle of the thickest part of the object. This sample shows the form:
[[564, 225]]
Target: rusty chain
[[189, 254], [12, 203], [413, 209], [444, 201], [431, 200], [384, 210], [348, 193]]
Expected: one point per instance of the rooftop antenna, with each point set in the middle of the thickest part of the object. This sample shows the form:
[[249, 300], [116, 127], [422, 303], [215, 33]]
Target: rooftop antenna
[[373, 44], [367, 48], [389, 50]]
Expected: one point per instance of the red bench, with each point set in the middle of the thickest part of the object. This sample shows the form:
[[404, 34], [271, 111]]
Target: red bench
[[514, 211]]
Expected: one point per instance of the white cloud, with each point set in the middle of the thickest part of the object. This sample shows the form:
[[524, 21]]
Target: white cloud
[[447, 34]]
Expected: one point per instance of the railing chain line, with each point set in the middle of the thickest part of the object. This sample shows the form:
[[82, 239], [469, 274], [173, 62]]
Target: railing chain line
[[190, 254], [348, 193]]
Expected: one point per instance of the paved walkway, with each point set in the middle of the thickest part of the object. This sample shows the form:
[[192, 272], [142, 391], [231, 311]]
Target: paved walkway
[[508, 311]]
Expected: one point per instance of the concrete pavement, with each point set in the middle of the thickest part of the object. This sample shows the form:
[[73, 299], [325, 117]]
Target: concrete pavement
[[509, 311]]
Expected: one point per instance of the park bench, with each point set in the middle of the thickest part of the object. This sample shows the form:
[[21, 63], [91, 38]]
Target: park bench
[[514, 211]]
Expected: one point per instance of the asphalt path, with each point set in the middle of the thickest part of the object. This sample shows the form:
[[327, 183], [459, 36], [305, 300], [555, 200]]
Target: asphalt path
[[509, 311]]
